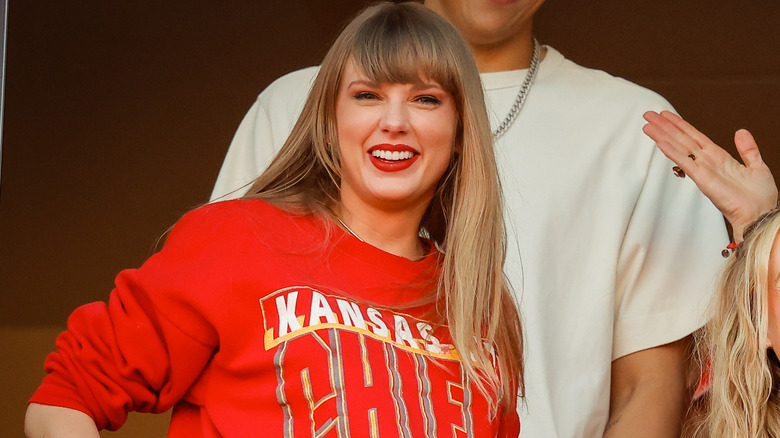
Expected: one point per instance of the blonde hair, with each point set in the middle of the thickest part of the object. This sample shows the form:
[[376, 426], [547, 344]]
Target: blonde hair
[[744, 399], [404, 43]]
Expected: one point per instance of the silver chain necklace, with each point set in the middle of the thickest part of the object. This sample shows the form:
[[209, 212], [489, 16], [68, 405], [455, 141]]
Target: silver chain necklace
[[349, 229], [520, 99], [360, 239]]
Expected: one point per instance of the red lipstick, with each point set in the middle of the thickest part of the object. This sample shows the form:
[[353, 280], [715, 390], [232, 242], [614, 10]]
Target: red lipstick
[[387, 164]]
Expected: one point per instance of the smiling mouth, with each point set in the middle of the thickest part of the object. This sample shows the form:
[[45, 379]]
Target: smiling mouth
[[392, 155]]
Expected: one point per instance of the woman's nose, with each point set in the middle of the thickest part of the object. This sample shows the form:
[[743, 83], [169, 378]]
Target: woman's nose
[[395, 117]]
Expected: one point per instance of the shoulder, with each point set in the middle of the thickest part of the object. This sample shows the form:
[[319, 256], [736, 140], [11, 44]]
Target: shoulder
[[597, 86], [230, 211], [229, 222], [296, 78], [292, 85]]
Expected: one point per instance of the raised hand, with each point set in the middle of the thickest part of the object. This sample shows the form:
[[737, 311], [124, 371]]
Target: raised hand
[[742, 192]]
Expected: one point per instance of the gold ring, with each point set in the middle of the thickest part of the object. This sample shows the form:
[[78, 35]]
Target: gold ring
[[678, 172]]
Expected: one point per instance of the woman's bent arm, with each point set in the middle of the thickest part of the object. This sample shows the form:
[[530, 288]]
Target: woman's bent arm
[[54, 422]]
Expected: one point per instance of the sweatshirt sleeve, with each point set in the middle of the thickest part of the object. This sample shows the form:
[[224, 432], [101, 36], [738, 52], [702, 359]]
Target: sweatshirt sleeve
[[144, 348]]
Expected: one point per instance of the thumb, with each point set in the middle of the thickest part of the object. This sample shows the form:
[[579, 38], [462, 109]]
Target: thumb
[[747, 148]]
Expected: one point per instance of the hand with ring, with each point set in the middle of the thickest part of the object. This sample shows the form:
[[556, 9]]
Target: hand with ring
[[742, 192]]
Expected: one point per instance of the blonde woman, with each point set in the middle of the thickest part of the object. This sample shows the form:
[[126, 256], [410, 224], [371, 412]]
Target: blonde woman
[[737, 344], [744, 397], [357, 288]]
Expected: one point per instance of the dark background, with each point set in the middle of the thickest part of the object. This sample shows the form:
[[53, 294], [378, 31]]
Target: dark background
[[118, 115]]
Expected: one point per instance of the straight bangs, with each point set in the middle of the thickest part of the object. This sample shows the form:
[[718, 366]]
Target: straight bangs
[[391, 49]]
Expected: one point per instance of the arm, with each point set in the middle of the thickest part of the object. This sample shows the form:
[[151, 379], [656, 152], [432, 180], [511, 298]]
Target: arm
[[118, 358], [741, 192], [55, 422], [143, 349], [670, 255], [649, 393]]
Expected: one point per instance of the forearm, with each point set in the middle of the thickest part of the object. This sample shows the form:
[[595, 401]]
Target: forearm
[[55, 422], [649, 394], [649, 412]]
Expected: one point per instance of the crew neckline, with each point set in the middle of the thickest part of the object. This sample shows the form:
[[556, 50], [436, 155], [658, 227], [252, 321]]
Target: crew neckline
[[514, 78]]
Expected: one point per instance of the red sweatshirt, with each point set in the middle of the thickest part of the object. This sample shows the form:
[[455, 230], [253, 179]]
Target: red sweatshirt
[[255, 322]]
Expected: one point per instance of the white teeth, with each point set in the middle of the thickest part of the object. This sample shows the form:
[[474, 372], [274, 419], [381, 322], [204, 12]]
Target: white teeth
[[392, 155]]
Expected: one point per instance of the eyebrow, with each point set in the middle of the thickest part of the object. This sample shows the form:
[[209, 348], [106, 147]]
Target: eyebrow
[[363, 82], [419, 85]]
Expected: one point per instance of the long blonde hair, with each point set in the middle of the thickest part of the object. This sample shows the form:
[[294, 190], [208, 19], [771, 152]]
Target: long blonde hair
[[744, 399], [402, 43]]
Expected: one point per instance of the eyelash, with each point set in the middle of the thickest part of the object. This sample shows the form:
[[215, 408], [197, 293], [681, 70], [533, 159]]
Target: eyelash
[[364, 95], [428, 100], [425, 100]]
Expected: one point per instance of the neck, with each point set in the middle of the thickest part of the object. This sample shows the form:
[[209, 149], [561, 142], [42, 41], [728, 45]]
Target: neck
[[396, 232], [510, 54]]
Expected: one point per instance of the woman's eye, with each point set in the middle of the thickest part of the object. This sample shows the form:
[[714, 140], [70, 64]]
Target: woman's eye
[[428, 100], [364, 95]]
